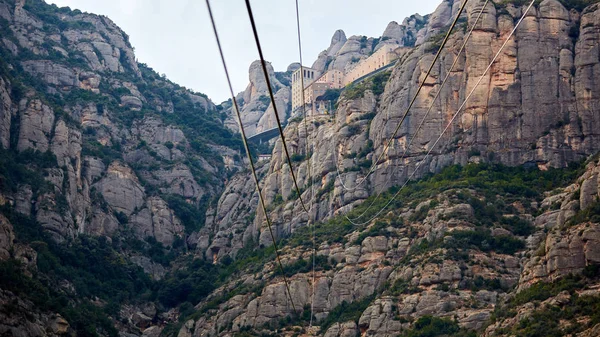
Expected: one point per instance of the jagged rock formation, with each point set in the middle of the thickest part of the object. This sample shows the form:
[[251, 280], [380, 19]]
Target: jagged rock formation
[[82, 134], [564, 245], [426, 273], [343, 53], [13, 324], [110, 149], [502, 121], [231, 220], [255, 104], [95, 144], [504, 115], [567, 248]]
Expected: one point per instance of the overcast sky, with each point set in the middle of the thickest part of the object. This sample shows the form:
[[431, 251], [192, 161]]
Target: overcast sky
[[175, 37]]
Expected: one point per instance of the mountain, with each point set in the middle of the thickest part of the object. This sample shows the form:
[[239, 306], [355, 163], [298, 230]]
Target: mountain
[[255, 103], [509, 119], [127, 209], [110, 130], [97, 145]]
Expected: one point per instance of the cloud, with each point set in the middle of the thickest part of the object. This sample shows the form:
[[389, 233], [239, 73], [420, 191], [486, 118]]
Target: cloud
[[130, 7]]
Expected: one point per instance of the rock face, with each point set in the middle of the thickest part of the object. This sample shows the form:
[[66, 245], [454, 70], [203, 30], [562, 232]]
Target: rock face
[[348, 329], [121, 189], [51, 73], [510, 118], [503, 116], [565, 255], [106, 162], [7, 238], [567, 248], [158, 221], [337, 42], [36, 122], [112, 149], [5, 113], [255, 104], [22, 319], [231, 222]]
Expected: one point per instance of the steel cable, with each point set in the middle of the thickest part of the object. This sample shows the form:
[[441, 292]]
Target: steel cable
[[431, 105], [272, 97], [388, 144], [309, 168], [251, 161], [451, 121]]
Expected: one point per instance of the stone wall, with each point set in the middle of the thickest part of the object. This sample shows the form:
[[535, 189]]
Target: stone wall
[[379, 59]]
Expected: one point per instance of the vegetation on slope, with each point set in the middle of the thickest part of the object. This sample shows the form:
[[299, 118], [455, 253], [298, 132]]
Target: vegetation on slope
[[549, 319], [201, 124], [491, 190], [91, 266], [376, 84], [346, 312], [96, 268], [429, 326], [499, 185], [101, 279]]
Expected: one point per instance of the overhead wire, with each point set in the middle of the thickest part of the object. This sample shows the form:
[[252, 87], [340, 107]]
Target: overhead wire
[[389, 143], [272, 97], [466, 40], [309, 168], [453, 118], [263, 63], [251, 161]]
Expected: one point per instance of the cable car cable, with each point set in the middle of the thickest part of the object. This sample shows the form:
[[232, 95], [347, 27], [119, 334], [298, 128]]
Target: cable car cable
[[452, 120], [252, 167]]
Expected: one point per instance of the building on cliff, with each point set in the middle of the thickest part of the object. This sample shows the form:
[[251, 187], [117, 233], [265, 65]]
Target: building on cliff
[[315, 85], [377, 60], [332, 79], [302, 75]]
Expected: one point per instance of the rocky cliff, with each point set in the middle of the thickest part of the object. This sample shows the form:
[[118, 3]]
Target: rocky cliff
[[255, 104], [485, 248], [127, 210], [112, 129], [510, 118], [95, 144]]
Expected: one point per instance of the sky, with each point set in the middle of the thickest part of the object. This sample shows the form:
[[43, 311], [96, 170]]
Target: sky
[[175, 37]]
